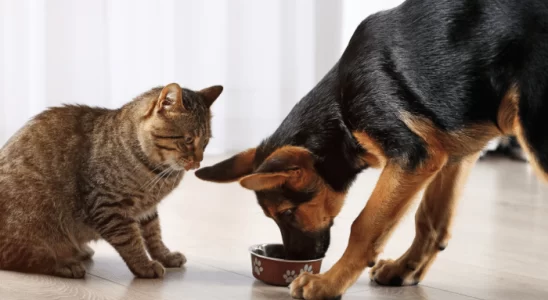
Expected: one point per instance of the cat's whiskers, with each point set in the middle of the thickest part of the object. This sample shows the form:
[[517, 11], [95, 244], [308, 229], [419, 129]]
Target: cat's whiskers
[[150, 185], [164, 182], [157, 179], [176, 179], [157, 167], [162, 176], [137, 165], [149, 182], [135, 168]]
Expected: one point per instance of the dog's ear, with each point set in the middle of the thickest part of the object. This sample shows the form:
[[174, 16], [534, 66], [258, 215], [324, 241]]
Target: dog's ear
[[229, 170], [289, 164]]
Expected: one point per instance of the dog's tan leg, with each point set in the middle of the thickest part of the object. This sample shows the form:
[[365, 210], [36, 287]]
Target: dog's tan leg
[[433, 223], [390, 199]]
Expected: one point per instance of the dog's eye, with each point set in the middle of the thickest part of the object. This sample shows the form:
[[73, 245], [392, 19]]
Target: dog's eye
[[287, 213], [189, 140]]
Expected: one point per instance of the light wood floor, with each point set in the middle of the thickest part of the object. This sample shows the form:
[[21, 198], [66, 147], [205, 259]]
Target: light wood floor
[[499, 250]]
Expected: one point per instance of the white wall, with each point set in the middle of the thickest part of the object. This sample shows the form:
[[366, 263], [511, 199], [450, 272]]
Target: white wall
[[267, 54]]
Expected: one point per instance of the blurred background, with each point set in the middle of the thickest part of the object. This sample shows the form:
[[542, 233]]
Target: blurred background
[[267, 54]]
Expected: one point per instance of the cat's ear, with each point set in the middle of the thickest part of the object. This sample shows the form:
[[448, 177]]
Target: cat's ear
[[171, 98], [289, 164], [211, 94], [229, 170]]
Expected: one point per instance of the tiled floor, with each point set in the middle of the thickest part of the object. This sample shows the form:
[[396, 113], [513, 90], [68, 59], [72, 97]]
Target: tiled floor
[[498, 250]]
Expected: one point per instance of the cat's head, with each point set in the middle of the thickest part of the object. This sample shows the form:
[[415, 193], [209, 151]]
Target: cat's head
[[176, 128]]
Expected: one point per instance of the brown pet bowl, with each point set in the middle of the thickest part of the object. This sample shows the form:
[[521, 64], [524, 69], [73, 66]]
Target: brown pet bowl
[[268, 265]]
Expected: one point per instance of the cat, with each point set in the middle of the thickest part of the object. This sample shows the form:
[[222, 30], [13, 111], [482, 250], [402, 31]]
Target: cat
[[75, 174]]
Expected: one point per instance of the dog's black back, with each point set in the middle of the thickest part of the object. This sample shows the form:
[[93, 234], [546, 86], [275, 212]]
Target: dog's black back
[[450, 61]]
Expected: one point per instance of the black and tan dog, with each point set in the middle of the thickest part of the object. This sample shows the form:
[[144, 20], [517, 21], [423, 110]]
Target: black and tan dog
[[418, 92]]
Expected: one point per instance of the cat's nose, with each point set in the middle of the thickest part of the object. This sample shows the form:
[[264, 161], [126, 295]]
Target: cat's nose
[[191, 165]]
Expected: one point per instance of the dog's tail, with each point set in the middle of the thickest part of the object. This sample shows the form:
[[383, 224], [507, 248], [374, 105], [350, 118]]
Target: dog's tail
[[530, 124]]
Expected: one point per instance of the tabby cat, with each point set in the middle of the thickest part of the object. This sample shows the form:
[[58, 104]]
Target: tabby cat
[[75, 174]]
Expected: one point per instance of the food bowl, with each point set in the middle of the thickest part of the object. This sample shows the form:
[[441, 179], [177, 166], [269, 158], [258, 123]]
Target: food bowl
[[269, 266]]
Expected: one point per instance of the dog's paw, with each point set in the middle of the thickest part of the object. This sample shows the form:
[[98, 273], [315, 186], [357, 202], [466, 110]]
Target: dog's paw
[[392, 273], [314, 287]]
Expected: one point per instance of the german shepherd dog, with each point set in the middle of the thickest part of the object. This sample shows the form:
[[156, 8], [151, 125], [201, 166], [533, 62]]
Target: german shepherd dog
[[419, 91]]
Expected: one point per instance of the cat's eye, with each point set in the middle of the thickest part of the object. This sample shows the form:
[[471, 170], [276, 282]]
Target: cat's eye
[[189, 140]]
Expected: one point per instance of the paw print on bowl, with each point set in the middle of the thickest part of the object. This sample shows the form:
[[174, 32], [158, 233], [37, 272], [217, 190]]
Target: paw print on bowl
[[289, 276], [306, 268], [258, 269]]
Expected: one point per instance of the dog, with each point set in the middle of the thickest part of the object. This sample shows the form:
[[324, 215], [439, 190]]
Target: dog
[[419, 92]]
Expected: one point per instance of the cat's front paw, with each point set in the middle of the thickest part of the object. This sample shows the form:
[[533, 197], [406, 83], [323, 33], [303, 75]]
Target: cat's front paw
[[70, 270], [85, 253], [151, 270], [173, 260]]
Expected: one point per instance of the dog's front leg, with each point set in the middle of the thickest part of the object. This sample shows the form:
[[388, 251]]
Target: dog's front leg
[[391, 197]]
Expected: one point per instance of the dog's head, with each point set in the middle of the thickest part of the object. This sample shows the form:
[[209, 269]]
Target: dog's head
[[290, 191]]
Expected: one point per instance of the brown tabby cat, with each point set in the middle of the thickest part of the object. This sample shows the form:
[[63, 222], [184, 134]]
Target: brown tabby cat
[[74, 174]]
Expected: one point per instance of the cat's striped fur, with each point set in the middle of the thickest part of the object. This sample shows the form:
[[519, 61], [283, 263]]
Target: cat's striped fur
[[74, 174]]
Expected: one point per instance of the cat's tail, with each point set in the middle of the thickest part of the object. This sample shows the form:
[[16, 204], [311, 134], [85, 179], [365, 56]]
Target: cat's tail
[[23, 256], [530, 124]]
